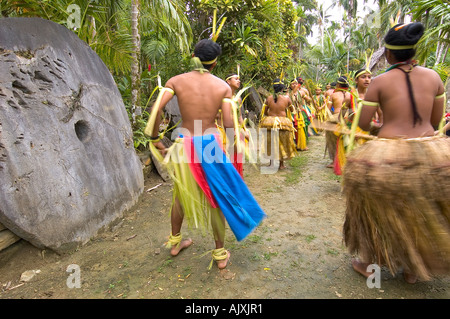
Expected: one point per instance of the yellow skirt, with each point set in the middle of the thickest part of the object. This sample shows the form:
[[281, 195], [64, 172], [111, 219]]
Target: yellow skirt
[[285, 137]]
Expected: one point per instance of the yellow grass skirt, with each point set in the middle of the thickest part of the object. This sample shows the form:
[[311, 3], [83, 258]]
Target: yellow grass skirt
[[285, 138], [398, 210]]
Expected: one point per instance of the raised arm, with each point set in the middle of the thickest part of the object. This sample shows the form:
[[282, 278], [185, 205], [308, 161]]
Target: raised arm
[[164, 97]]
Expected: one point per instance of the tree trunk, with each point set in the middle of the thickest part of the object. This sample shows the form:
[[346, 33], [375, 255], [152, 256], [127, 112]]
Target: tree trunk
[[445, 52], [440, 47], [135, 68]]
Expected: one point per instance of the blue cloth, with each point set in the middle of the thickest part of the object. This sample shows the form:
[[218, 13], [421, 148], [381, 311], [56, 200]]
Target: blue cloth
[[242, 213]]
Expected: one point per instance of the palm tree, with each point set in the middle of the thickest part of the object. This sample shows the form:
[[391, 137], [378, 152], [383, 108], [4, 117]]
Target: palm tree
[[304, 25], [98, 23], [436, 16], [163, 20], [135, 67]]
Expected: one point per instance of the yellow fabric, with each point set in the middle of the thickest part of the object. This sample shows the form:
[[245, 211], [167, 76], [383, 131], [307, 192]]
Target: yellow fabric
[[174, 240], [301, 134], [362, 72], [284, 139], [341, 158], [301, 139], [231, 76], [217, 255], [169, 90], [368, 103], [440, 96], [399, 47], [152, 118], [220, 254], [208, 62]]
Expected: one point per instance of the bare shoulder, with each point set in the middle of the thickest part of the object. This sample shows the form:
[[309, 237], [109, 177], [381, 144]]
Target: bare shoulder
[[336, 95], [286, 98], [219, 82], [175, 79], [380, 78], [430, 73]]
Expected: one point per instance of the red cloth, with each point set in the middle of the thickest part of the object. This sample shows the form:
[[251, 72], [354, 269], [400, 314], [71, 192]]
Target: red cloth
[[238, 164], [197, 170]]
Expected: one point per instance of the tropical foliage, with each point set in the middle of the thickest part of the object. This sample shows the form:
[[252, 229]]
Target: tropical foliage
[[266, 38]]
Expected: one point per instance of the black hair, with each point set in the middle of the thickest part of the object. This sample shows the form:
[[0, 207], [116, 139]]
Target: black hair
[[360, 71], [278, 87], [207, 50], [333, 84], [342, 81], [404, 34]]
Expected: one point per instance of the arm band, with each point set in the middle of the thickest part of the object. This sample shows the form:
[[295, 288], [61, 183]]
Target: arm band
[[439, 96], [370, 103], [155, 138], [168, 90]]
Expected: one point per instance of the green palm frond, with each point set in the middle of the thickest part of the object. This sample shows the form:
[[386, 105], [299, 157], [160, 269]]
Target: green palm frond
[[155, 49]]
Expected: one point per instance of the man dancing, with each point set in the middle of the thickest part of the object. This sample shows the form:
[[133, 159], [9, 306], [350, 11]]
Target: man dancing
[[207, 188]]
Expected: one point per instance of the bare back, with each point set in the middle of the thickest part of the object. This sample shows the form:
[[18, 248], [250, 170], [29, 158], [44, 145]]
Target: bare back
[[329, 92], [278, 108], [390, 90], [340, 98], [200, 96]]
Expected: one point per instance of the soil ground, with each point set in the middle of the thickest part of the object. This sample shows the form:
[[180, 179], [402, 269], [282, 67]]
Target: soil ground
[[296, 253]]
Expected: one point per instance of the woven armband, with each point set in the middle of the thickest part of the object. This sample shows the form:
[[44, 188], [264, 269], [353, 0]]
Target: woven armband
[[168, 90], [368, 103], [439, 96], [155, 138]]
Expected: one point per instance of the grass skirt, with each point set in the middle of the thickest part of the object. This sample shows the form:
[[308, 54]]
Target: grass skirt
[[207, 185], [398, 209], [285, 137]]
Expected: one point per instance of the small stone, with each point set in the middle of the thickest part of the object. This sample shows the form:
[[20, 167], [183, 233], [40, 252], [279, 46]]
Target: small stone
[[28, 275]]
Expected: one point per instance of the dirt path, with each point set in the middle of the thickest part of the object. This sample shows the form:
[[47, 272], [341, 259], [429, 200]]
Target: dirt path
[[297, 251]]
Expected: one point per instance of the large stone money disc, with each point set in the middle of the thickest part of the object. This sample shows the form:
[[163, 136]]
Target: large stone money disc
[[68, 167]]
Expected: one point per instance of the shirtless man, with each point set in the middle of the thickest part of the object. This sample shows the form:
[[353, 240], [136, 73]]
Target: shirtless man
[[329, 91], [234, 82], [303, 92], [340, 96], [200, 96]]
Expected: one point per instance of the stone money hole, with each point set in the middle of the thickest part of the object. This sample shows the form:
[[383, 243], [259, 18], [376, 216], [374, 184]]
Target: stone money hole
[[82, 130]]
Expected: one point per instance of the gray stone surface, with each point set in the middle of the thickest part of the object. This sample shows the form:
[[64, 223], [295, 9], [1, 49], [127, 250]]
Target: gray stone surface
[[68, 167]]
